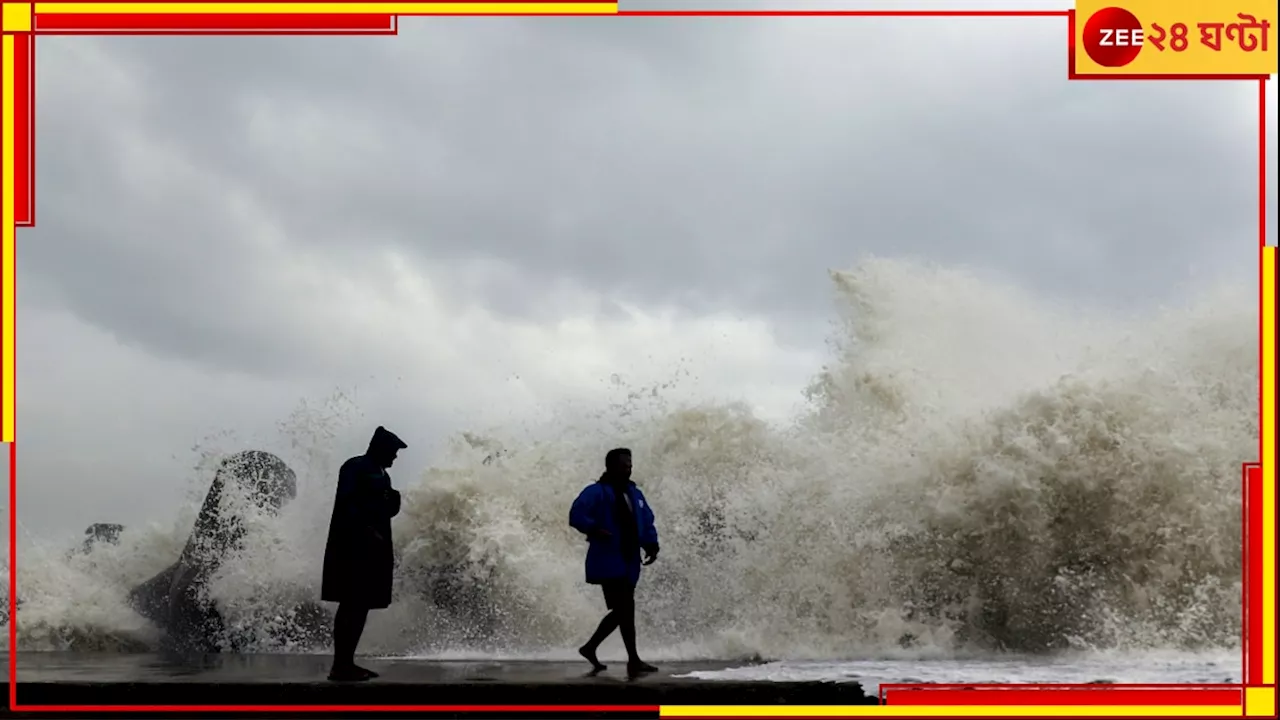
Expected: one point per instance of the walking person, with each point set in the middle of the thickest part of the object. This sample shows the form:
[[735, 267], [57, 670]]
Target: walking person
[[619, 524], [358, 558]]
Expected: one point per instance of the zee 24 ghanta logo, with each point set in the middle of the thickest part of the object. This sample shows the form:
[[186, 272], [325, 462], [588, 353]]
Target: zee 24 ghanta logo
[[1113, 36]]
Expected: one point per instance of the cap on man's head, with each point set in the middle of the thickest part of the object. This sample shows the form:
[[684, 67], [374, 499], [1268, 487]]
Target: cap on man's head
[[384, 438]]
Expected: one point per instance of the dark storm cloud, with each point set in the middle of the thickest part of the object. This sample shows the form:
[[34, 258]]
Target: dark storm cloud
[[720, 165], [228, 225]]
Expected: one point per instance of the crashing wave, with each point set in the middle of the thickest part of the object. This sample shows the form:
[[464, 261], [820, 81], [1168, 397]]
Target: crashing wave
[[974, 470]]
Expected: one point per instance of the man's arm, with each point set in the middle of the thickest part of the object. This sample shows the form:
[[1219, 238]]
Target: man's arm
[[358, 501], [648, 529], [583, 516], [392, 502]]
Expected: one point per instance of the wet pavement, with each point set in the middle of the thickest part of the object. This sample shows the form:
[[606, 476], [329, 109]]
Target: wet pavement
[[229, 668], [124, 679]]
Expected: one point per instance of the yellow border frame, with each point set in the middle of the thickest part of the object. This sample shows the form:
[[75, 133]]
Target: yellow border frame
[[8, 232], [838, 711], [323, 8]]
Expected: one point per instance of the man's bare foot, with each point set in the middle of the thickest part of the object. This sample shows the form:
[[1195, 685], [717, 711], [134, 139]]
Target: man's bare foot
[[367, 671], [590, 655], [639, 667], [350, 673]]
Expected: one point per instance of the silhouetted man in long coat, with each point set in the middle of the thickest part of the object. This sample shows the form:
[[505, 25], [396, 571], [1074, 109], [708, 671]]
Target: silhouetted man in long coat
[[358, 559]]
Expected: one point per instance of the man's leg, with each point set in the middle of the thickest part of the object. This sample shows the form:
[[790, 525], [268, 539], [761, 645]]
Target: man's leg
[[625, 608], [607, 625], [348, 626]]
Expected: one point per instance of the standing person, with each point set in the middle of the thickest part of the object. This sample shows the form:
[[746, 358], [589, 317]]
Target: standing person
[[358, 558], [618, 523]]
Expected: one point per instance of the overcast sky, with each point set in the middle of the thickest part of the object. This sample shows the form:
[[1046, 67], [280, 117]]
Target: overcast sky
[[479, 218]]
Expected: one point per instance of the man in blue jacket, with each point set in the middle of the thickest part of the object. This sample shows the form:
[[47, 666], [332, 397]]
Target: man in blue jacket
[[618, 523]]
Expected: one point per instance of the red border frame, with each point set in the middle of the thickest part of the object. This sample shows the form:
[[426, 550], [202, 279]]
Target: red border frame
[[1251, 563], [213, 24], [24, 135], [1252, 510]]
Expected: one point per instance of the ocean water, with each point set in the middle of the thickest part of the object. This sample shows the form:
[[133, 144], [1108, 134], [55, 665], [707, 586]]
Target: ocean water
[[1150, 667], [976, 479]]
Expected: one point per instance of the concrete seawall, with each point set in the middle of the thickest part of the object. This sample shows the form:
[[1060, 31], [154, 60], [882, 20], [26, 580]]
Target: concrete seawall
[[115, 679]]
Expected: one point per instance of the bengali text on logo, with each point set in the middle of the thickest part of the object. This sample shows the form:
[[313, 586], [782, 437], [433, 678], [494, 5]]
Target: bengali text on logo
[[1172, 37]]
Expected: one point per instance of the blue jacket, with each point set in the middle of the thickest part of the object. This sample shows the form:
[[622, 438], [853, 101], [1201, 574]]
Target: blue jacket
[[595, 510]]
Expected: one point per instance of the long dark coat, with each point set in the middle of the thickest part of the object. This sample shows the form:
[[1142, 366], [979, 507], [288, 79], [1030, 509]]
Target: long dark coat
[[359, 562]]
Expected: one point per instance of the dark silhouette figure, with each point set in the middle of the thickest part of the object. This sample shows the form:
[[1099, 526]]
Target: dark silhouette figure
[[359, 563], [174, 598], [618, 523]]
